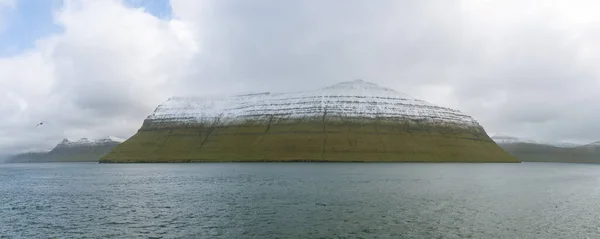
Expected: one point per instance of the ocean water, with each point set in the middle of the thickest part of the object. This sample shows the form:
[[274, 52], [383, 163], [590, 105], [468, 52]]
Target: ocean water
[[299, 200]]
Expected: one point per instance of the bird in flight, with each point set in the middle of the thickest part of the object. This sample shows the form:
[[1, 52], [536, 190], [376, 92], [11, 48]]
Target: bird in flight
[[40, 124]]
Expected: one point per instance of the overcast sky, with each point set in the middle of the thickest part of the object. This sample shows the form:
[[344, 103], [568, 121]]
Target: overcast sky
[[96, 68]]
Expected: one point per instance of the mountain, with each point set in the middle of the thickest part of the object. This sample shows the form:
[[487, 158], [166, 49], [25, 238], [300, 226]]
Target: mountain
[[4, 157], [591, 145], [348, 121], [535, 151], [82, 150], [506, 139]]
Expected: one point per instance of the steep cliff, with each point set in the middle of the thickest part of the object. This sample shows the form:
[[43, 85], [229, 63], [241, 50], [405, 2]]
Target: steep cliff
[[349, 121], [82, 150]]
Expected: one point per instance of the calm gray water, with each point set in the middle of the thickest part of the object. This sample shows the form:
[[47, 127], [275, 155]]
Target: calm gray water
[[300, 200]]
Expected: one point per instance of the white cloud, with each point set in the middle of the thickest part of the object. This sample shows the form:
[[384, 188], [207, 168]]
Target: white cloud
[[109, 68]]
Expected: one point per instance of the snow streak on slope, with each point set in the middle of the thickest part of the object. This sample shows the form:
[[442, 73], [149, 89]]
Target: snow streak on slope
[[347, 100], [87, 142]]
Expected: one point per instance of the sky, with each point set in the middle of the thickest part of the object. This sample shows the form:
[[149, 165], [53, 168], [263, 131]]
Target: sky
[[92, 68]]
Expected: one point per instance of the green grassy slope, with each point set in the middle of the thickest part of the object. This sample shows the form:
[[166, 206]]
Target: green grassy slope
[[528, 152], [310, 140]]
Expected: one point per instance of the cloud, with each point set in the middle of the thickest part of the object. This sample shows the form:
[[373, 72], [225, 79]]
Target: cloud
[[109, 68], [526, 68]]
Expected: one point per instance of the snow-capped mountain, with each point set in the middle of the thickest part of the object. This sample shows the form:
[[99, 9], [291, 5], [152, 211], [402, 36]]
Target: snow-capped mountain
[[353, 121], [86, 142], [595, 144], [505, 139], [350, 100], [542, 151], [82, 150]]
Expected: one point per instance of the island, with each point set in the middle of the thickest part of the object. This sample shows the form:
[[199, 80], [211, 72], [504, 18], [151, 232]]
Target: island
[[354, 121], [82, 150], [528, 150]]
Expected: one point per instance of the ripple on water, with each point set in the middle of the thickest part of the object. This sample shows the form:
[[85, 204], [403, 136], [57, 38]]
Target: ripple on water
[[299, 201]]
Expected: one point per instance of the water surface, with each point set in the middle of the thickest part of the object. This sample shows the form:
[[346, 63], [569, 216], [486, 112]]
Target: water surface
[[299, 200]]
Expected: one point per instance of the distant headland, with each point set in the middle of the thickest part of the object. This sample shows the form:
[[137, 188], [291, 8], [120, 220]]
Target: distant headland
[[536, 151], [82, 150]]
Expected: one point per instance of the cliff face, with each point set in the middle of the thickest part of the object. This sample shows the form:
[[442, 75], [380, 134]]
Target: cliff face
[[532, 151], [82, 150], [350, 121]]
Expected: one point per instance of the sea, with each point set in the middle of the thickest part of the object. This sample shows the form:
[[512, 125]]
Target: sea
[[300, 200]]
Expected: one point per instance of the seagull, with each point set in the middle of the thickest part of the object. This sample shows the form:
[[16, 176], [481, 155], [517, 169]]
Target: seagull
[[40, 124]]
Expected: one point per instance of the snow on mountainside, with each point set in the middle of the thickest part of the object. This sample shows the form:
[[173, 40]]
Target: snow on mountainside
[[354, 99], [110, 139], [505, 139], [591, 145], [87, 142], [82, 150], [563, 144], [597, 143]]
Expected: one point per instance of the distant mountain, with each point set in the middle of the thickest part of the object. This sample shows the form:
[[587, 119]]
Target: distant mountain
[[82, 150], [4, 157], [505, 139], [536, 151], [591, 145]]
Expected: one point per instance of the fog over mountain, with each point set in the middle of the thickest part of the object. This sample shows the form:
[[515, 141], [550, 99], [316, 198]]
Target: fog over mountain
[[92, 68], [538, 151], [82, 150]]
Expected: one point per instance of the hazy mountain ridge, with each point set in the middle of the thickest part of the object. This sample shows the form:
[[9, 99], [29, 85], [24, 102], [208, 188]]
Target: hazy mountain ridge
[[507, 139], [82, 150], [535, 151], [85, 142]]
